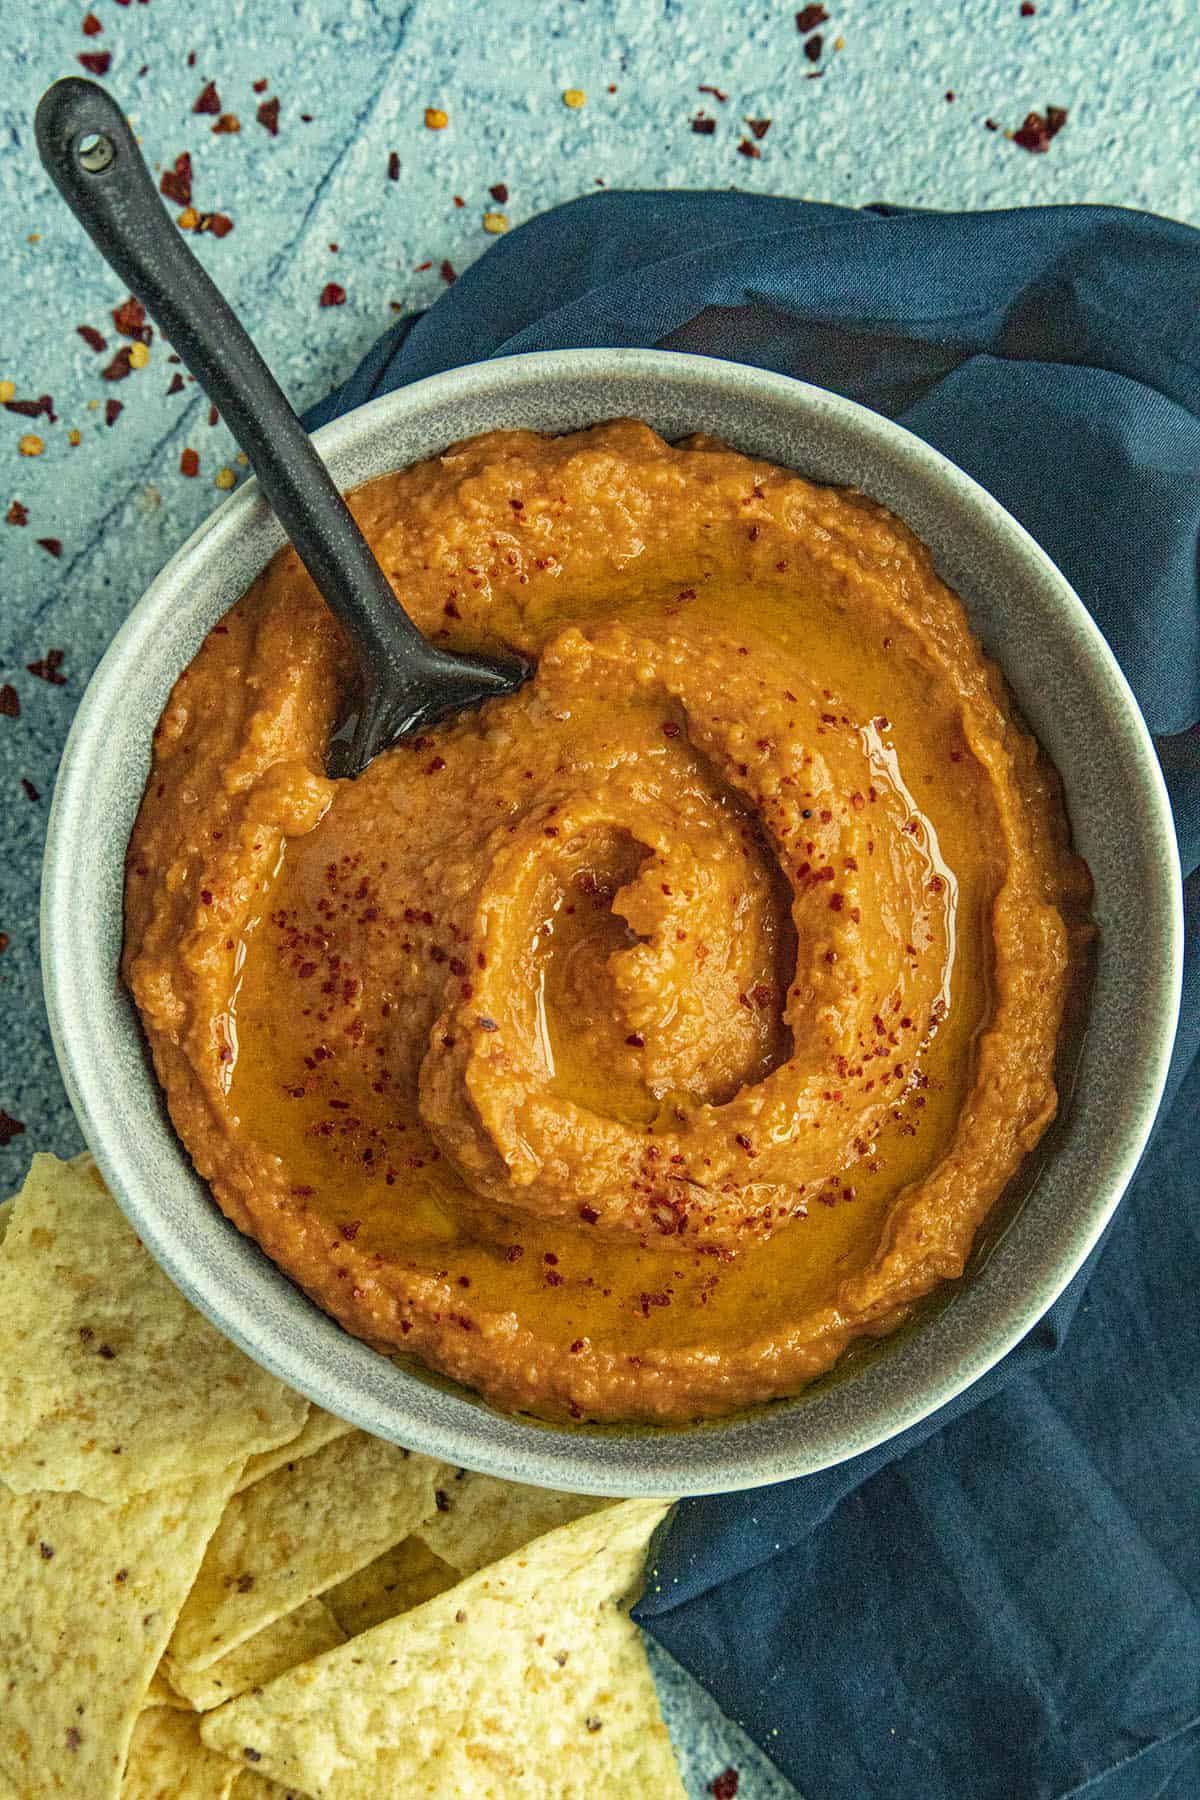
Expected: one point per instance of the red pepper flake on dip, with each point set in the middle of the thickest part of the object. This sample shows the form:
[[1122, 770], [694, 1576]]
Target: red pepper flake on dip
[[746, 148], [332, 294], [51, 545], [703, 125], [96, 62], [10, 705], [130, 318], [809, 17], [741, 1039], [92, 338], [189, 462], [113, 410], [91, 25], [759, 127], [209, 100], [17, 514], [393, 165]]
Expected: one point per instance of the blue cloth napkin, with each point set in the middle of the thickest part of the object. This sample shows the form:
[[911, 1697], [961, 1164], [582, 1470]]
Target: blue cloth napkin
[[1003, 1603]]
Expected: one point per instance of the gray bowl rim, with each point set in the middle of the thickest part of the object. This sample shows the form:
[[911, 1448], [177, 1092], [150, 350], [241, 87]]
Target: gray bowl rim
[[294, 1342]]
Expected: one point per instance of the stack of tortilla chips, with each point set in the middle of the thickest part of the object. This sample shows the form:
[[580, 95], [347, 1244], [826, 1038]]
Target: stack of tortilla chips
[[209, 1587]]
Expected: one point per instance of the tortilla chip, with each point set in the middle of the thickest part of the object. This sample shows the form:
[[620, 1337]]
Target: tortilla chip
[[90, 1593], [250, 1786], [111, 1384], [320, 1428], [480, 1519], [403, 1577], [161, 1693], [524, 1679], [167, 1761], [298, 1532], [296, 1638]]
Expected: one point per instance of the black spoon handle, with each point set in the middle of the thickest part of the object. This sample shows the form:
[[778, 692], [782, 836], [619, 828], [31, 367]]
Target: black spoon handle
[[92, 157]]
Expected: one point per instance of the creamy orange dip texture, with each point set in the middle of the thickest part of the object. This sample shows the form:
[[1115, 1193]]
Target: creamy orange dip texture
[[628, 1047]]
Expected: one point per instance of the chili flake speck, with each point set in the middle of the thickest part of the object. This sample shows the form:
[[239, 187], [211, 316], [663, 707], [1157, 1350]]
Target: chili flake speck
[[52, 545], [725, 1785], [17, 514], [96, 62], [333, 294], [1036, 133], [31, 444], [227, 124], [746, 148], [92, 338], [176, 183], [209, 100], [189, 462], [47, 668], [393, 166], [448, 272], [10, 705], [499, 192], [9, 1127], [759, 127], [813, 47], [268, 115], [91, 25], [809, 17], [436, 119], [704, 125]]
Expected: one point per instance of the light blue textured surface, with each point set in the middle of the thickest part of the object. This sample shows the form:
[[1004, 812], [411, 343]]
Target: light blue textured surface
[[875, 126]]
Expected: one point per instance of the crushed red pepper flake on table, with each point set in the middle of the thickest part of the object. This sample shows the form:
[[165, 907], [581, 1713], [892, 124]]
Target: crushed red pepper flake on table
[[746, 148], [92, 338], [813, 47], [33, 409], [213, 415], [949, 93], [48, 667], [9, 1128], [120, 366], [1028, 9], [113, 410], [219, 224], [129, 317], [1037, 132], [189, 462], [447, 272], [809, 17], [17, 514], [759, 127], [10, 705], [96, 62], [990, 125], [52, 546], [725, 1785], [209, 100], [715, 92], [332, 294], [91, 25], [31, 793], [704, 125], [499, 192], [227, 123], [176, 183], [4, 942], [176, 386], [393, 165]]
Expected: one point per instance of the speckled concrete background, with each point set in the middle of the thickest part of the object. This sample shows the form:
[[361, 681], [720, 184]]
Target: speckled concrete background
[[867, 117]]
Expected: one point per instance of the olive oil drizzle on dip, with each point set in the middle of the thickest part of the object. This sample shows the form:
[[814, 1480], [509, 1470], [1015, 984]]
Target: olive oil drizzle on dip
[[628, 1047]]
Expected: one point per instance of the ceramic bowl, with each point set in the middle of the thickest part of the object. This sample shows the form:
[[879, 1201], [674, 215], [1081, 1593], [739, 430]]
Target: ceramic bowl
[[1071, 691]]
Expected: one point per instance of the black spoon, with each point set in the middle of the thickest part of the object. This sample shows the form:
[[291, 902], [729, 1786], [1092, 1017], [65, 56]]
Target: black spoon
[[90, 154]]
